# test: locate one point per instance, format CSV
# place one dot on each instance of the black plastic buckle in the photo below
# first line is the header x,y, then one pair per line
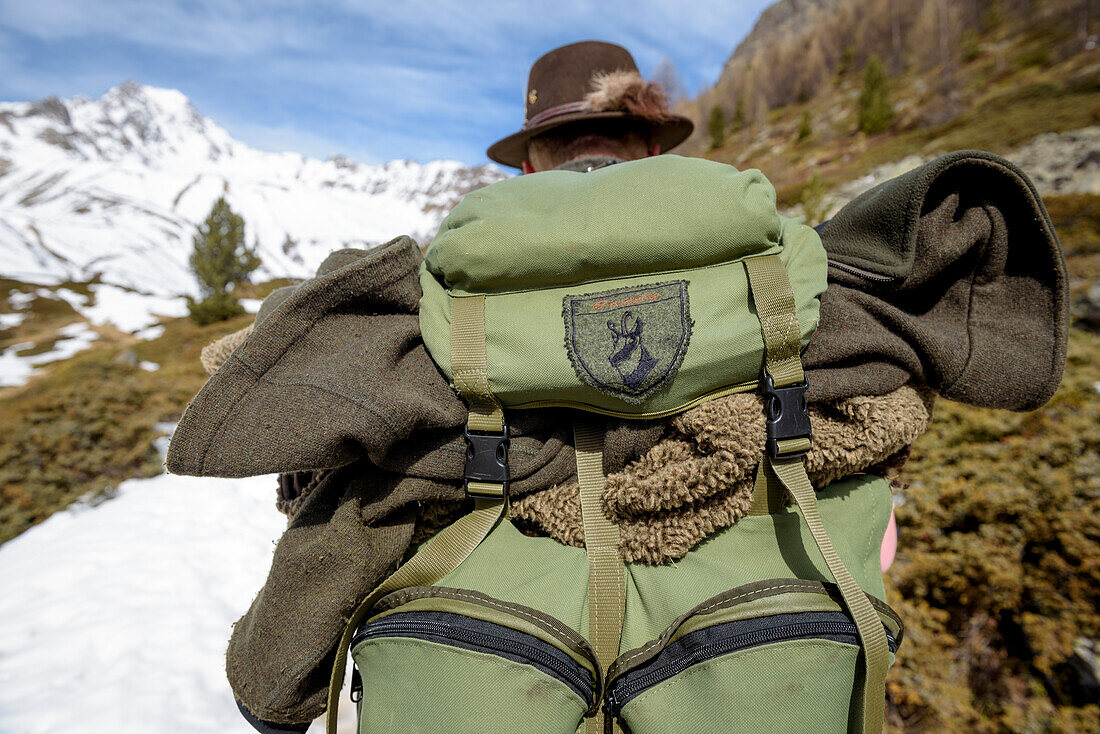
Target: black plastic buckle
x,y
487,457
786,415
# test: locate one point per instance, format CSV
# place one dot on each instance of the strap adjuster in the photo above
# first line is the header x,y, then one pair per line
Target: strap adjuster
x,y
786,416
486,459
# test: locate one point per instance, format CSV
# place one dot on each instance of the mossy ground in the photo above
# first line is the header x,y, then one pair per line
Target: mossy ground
x,y
998,573
87,423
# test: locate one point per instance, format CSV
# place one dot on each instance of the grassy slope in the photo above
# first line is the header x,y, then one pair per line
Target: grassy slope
x,y
85,424
88,423
1003,97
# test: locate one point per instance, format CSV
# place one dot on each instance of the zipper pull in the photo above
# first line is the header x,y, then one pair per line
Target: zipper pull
x,y
610,711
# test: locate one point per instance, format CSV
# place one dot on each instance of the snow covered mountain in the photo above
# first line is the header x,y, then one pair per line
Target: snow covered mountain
x,y
114,187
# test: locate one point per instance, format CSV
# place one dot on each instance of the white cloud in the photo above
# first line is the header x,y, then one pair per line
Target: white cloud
x,y
221,29
288,138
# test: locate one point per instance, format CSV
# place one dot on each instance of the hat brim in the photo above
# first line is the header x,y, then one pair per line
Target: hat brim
x,y
512,150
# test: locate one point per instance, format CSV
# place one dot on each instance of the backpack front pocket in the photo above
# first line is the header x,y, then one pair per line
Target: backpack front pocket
x,y
450,660
778,656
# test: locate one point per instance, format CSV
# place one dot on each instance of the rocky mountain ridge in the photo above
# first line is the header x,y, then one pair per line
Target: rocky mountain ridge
x,y
113,189
782,19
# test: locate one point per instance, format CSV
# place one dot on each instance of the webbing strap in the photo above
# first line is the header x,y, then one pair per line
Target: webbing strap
x,y
439,557
606,584
469,364
872,635
775,307
767,493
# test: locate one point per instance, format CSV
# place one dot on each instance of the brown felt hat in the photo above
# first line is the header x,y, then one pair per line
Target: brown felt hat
x,y
589,81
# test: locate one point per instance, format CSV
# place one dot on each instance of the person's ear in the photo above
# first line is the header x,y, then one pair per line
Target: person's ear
x,y
527,167
655,149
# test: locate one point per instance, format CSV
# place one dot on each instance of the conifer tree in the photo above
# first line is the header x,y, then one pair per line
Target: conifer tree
x,y
805,126
813,200
219,260
739,113
717,127
875,111
847,58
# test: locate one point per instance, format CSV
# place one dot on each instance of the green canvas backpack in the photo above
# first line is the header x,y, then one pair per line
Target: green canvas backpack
x,y
638,291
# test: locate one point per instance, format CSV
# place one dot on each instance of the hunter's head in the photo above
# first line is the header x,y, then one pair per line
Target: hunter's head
x,y
587,101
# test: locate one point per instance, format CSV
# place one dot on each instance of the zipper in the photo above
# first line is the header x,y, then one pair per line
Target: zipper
x,y
468,633
701,645
861,273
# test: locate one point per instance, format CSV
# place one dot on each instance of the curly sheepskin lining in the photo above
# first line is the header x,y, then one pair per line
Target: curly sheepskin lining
x,y
216,352
626,91
699,478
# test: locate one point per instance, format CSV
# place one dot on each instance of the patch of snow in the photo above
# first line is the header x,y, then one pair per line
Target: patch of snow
x,y
19,299
116,616
151,333
16,370
251,305
130,311
11,320
1096,386
148,366
160,443
75,338
78,301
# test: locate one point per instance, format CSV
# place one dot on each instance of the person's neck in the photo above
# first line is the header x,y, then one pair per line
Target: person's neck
x,y
588,163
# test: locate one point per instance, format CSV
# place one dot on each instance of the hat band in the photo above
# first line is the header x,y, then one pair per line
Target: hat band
x,y
552,112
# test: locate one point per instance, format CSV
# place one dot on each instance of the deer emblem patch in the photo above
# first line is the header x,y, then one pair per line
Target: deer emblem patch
x,y
628,342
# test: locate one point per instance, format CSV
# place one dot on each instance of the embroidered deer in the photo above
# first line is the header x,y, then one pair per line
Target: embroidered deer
x,y
629,356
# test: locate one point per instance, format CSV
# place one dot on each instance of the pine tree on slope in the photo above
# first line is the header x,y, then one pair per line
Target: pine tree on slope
x,y
220,259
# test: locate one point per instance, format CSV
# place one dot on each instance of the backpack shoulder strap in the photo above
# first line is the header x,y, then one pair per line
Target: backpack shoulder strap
x,y
441,555
788,441
486,484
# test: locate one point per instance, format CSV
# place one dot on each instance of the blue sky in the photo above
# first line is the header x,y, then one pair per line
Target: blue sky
x,y
372,80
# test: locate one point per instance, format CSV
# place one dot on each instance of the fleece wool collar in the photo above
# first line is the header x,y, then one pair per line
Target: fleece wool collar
x,y
699,478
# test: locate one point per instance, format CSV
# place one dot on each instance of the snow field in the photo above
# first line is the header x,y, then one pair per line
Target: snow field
x,y
129,177
116,615
127,310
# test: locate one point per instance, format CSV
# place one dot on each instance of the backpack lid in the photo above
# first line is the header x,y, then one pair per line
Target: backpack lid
x,y
564,227
622,291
